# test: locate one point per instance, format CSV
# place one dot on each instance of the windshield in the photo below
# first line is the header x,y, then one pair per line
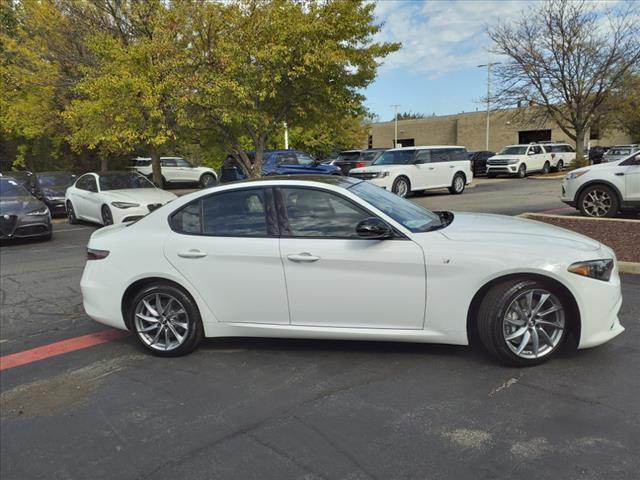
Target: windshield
x,y
513,151
120,181
55,179
395,157
11,188
410,215
369,156
348,156
619,151
304,159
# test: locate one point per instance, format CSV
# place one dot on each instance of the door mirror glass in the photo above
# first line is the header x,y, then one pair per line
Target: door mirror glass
x,y
374,228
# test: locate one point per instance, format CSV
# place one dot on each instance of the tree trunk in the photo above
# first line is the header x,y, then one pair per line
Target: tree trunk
x,y
104,163
257,165
156,170
580,132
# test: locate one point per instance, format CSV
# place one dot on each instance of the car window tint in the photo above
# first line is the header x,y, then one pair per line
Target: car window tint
x,y
88,182
423,156
168,162
304,159
317,213
188,219
457,155
439,156
287,159
240,213
181,162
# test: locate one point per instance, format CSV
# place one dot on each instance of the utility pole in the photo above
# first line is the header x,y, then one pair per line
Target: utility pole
x,y
488,65
286,136
395,116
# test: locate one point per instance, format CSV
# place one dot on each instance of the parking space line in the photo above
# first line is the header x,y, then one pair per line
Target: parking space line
x,y
58,348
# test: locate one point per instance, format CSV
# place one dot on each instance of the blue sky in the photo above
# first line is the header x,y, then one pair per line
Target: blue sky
x,y
443,42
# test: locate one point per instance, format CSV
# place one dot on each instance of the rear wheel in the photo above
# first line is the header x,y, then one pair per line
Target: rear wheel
x,y
71,213
207,180
401,187
523,322
457,185
559,166
522,171
546,168
107,216
598,201
166,320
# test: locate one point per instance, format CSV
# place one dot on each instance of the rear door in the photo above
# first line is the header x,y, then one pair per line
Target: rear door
x,y
632,179
443,169
170,170
337,279
185,171
226,246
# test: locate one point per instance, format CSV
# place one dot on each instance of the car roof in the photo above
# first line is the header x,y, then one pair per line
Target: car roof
x,y
424,147
337,180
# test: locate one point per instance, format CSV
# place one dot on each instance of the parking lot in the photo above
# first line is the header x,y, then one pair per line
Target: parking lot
x,y
255,408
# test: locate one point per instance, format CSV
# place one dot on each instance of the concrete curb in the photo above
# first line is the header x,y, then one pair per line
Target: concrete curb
x,y
630,268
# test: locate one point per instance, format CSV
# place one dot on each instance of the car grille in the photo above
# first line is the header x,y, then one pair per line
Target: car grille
x,y
8,224
363,175
498,162
153,206
31,230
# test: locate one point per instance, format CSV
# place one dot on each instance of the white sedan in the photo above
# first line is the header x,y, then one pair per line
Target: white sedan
x,y
339,258
113,197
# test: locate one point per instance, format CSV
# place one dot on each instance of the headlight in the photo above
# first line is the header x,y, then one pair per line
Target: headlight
x,y
573,175
598,269
39,212
124,204
380,174
512,162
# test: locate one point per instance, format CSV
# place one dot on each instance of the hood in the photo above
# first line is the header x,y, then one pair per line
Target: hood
x,y
599,166
519,232
19,205
140,195
506,157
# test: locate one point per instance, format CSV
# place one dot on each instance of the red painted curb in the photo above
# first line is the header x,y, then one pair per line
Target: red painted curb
x,y
58,348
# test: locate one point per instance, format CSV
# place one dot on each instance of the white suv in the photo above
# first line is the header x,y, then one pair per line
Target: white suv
x,y
411,169
604,189
519,160
177,170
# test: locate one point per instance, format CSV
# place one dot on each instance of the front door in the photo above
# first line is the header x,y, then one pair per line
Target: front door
x,y
632,179
336,279
226,246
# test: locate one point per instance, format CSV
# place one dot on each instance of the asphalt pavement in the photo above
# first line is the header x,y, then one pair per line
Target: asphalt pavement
x,y
256,408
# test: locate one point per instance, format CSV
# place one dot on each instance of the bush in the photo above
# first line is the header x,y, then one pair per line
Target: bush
x,y
580,161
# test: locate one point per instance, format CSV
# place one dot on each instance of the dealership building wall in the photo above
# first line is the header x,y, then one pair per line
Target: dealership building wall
x,y
469,129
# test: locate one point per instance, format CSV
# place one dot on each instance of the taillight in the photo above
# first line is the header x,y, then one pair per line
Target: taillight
x,y
360,164
93,254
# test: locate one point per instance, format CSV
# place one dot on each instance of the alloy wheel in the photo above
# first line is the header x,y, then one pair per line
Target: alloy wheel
x,y
401,188
534,324
597,203
107,218
458,184
161,321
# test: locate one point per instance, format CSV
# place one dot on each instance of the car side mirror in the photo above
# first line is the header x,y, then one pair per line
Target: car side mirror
x,y
373,228
530,152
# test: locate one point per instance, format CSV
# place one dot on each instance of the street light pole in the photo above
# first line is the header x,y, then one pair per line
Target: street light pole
x,y
395,116
488,65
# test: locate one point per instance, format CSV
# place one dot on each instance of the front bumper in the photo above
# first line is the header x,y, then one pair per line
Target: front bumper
x,y
56,206
133,213
24,226
508,169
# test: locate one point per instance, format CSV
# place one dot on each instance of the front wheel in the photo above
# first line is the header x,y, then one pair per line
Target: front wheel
x,y
71,213
207,180
457,185
522,171
559,166
523,322
546,168
401,187
107,216
598,201
166,321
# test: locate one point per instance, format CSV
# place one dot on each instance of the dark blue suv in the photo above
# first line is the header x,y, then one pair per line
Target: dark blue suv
x,y
278,162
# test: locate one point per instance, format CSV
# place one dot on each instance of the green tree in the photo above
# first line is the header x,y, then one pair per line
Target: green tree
x,y
343,133
254,64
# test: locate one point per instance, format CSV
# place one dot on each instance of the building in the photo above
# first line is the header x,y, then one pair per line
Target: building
x,y
507,127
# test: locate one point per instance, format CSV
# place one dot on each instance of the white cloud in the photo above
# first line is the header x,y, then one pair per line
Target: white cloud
x,y
441,36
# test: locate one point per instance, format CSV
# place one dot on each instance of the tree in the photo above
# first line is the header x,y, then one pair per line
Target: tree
x,y
409,116
129,98
254,64
565,62
626,107
337,134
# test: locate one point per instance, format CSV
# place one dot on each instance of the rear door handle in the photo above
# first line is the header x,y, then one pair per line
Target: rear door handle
x,y
303,257
193,253
430,168
620,174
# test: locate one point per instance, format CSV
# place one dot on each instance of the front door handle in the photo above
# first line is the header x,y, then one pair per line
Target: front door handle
x,y
303,257
430,168
452,166
620,174
193,253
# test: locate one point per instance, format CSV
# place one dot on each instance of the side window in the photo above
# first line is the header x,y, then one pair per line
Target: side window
x,y
287,159
317,213
458,155
168,162
239,213
536,149
423,156
181,162
188,219
569,148
88,183
439,156
304,159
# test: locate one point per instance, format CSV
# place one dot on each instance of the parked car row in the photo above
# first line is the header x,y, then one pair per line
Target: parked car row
x,y
177,170
520,160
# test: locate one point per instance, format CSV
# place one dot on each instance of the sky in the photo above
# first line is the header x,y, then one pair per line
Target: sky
x,y
443,42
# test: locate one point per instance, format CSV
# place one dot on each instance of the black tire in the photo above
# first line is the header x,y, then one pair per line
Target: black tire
x,y
559,166
457,184
401,186
546,168
598,201
522,171
195,332
491,320
107,216
71,213
207,180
